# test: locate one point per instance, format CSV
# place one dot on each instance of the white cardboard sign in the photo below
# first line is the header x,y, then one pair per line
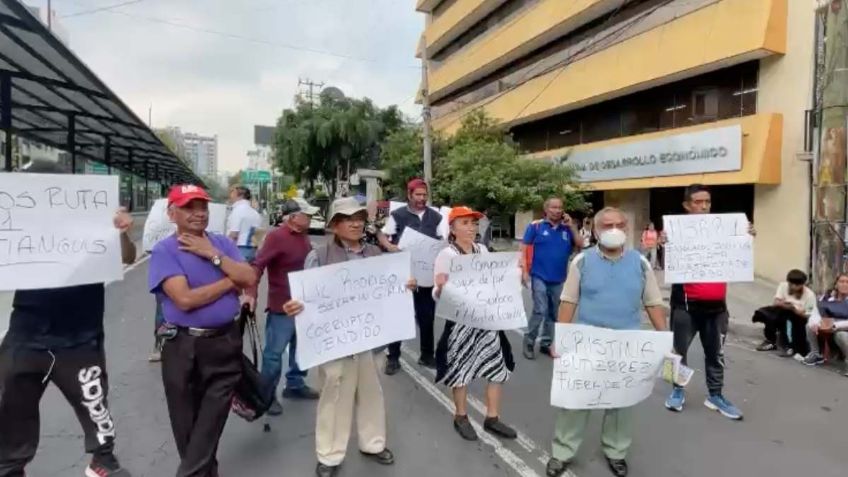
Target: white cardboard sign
x,y
424,251
484,291
708,248
352,307
158,225
600,368
56,230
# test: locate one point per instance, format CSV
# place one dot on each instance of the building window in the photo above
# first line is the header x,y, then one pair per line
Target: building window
x,y
715,96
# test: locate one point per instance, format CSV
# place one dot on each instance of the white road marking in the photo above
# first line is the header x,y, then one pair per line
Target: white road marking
x,y
509,457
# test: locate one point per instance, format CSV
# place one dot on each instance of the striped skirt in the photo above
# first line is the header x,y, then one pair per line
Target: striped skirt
x,y
472,353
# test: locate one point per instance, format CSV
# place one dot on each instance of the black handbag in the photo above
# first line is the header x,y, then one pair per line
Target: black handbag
x,y
251,399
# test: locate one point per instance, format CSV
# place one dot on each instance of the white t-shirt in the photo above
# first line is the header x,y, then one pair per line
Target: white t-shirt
x,y
244,220
807,302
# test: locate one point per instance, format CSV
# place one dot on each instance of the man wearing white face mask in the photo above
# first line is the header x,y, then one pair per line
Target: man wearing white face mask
x,y
612,285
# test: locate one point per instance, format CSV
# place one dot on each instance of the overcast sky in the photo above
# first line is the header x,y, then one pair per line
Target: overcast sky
x,y
221,66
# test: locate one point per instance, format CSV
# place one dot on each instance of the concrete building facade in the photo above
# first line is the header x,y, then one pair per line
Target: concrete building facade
x,y
645,97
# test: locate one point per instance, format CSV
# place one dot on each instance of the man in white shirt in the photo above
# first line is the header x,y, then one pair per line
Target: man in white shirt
x,y
793,303
244,222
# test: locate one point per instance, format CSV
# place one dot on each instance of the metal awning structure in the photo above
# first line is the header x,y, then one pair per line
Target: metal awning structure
x,y
48,95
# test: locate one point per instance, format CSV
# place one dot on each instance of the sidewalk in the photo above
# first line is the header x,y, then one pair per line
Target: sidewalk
x,y
743,299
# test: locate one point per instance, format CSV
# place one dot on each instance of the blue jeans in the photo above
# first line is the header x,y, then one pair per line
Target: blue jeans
x,y
546,297
279,333
248,253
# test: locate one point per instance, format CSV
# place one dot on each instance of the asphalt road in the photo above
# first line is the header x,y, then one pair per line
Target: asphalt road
x,y
795,419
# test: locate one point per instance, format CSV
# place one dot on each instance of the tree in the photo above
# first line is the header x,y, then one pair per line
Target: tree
x,y
324,142
216,190
234,179
480,166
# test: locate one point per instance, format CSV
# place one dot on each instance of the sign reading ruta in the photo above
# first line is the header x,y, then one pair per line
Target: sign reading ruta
x,y
352,307
708,248
56,230
600,368
484,291
424,251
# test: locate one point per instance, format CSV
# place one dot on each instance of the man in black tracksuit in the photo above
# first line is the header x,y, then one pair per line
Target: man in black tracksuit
x,y
56,335
421,218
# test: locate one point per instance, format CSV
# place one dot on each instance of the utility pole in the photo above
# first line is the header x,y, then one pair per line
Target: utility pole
x,y
49,15
425,100
311,86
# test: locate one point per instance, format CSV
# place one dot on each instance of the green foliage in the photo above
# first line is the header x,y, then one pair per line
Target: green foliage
x,y
315,143
218,192
480,166
234,179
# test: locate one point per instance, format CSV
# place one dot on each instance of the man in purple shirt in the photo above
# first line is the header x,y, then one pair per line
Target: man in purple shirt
x,y
198,277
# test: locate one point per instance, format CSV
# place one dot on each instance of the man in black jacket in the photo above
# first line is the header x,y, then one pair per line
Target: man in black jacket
x,y
421,218
56,335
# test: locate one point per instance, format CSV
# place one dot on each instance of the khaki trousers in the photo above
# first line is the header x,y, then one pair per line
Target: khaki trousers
x,y
616,436
350,383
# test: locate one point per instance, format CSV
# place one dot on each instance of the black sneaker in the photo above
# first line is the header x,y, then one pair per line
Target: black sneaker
x,y
529,350
322,470
384,457
392,366
464,428
105,465
555,468
427,362
495,426
276,409
305,393
618,467
545,350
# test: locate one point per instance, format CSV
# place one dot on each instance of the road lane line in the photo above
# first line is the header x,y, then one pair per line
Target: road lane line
x,y
524,441
509,457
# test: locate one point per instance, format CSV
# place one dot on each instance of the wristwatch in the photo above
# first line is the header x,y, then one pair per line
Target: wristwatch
x,y
216,260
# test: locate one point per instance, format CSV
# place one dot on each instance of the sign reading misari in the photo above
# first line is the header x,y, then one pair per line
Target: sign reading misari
x,y
352,307
56,230
711,150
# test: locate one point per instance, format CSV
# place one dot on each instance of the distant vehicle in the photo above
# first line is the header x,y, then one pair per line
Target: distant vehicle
x,y
317,225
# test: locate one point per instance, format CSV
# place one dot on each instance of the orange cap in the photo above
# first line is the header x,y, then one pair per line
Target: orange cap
x,y
463,211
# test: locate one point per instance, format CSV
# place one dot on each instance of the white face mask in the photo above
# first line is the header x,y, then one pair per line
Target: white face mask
x,y
612,238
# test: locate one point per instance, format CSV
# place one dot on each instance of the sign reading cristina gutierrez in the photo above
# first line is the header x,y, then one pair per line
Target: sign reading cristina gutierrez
x,y
712,150
599,368
352,307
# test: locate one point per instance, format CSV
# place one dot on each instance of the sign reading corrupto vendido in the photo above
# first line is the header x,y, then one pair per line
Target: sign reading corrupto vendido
x,y
711,150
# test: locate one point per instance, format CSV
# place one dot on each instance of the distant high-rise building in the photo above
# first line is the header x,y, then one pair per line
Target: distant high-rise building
x,y
201,152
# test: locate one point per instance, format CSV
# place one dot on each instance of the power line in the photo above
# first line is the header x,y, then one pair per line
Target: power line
x,y
234,36
101,9
560,64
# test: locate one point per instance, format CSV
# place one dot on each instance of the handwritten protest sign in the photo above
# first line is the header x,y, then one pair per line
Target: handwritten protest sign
x,y
56,230
599,368
484,291
708,248
158,225
352,307
423,250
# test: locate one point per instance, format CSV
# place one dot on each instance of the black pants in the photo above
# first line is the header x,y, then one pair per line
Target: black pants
x,y
425,315
200,374
685,325
776,319
79,373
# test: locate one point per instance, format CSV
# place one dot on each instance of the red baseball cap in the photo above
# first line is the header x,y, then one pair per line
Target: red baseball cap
x,y
463,211
416,184
182,194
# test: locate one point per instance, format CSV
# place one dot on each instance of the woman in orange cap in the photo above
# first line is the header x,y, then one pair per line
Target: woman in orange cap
x,y
465,353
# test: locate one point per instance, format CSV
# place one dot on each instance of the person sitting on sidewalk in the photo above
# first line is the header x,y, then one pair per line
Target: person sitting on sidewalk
x,y
833,309
793,303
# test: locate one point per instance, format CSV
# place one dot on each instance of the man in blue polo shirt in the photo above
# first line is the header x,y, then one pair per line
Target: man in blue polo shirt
x,y
545,251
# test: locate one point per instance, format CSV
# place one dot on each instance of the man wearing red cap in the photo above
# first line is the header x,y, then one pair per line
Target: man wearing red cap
x,y
417,216
198,277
